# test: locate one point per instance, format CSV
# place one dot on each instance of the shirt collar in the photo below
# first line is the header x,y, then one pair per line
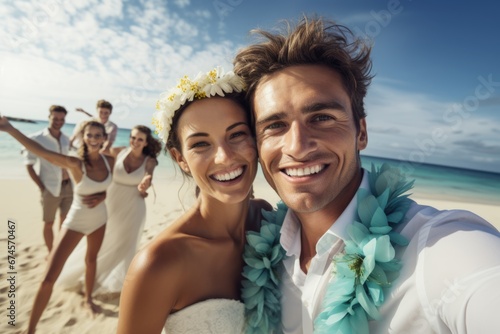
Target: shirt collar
x,y
46,133
290,231
290,234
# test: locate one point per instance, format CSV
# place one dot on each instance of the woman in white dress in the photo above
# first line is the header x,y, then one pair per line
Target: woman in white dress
x,y
132,176
91,173
187,280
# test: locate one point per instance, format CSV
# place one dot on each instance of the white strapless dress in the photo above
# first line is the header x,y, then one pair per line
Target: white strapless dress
x,y
212,316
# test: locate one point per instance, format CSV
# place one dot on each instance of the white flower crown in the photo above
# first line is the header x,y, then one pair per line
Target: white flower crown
x,y
204,85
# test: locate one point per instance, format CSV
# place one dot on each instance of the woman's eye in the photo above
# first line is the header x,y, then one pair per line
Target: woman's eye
x,y
238,134
199,144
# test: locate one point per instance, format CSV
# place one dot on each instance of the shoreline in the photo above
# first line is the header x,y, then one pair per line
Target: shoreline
x,y
165,175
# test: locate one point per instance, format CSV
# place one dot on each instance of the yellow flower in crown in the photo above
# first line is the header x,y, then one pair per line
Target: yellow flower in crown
x,y
204,85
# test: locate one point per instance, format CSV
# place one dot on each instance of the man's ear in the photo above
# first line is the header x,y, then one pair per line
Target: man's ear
x,y
362,139
180,160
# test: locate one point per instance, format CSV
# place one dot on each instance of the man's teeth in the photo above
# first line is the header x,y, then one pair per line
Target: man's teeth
x,y
303,171
229,176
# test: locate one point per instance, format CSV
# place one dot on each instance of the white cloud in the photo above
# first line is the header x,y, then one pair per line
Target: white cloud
x,y
139,31
412,126
74,7
110,9
182,3
185,29
206,14
356,19
126,53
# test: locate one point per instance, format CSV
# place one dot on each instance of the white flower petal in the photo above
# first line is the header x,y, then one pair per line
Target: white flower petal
x,y
212,83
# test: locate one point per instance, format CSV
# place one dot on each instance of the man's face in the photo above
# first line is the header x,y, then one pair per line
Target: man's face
x,y
56,120
103,114
307,138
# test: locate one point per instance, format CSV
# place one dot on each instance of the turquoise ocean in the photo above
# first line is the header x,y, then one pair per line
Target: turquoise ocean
x,y
440,182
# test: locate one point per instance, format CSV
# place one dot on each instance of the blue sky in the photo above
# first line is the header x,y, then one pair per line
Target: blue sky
x,y
435,97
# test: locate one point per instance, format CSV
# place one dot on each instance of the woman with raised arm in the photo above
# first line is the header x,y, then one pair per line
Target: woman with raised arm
x,y
91,173
188,279
132,176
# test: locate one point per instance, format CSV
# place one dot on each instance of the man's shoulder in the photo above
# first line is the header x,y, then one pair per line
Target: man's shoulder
x,y
431,213
427,219
65,136
111,125
39,134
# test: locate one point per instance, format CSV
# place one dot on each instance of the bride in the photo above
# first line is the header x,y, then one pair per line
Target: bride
x,y
188,279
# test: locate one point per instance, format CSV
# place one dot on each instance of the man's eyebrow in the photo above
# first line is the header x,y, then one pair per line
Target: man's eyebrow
x,y
324,105
273,117
314,107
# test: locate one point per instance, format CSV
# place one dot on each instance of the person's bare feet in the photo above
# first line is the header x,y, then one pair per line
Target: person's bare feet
x,y
93,308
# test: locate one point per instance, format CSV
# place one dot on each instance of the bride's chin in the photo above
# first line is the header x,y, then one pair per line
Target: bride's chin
x,y
93,148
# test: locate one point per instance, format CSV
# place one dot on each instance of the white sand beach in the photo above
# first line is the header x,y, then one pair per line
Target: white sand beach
x,y
19,202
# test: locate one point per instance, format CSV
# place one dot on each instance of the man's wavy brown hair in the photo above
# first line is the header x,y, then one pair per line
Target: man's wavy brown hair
x,y
312,41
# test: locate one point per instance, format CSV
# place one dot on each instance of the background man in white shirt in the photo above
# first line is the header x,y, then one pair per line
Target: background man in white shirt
x,y
53,182
103,111
306,86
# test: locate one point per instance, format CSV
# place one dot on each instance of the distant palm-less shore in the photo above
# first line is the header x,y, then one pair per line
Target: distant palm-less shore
x,y
24,120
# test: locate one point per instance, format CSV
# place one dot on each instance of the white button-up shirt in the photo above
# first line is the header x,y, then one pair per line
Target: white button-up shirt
x,y
50,174
301,293
448,283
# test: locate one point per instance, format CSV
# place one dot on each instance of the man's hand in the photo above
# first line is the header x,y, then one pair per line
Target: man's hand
x,y
83,112
93,200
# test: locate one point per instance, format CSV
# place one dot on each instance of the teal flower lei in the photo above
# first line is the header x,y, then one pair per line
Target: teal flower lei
x,y
260,288
361,272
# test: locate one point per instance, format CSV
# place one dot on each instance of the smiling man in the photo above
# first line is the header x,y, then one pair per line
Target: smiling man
x,y
53,181
360,256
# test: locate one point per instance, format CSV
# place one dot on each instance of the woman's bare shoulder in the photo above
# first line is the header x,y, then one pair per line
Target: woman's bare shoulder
x,y
165,250
175,248
111,160
151,162
156,279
